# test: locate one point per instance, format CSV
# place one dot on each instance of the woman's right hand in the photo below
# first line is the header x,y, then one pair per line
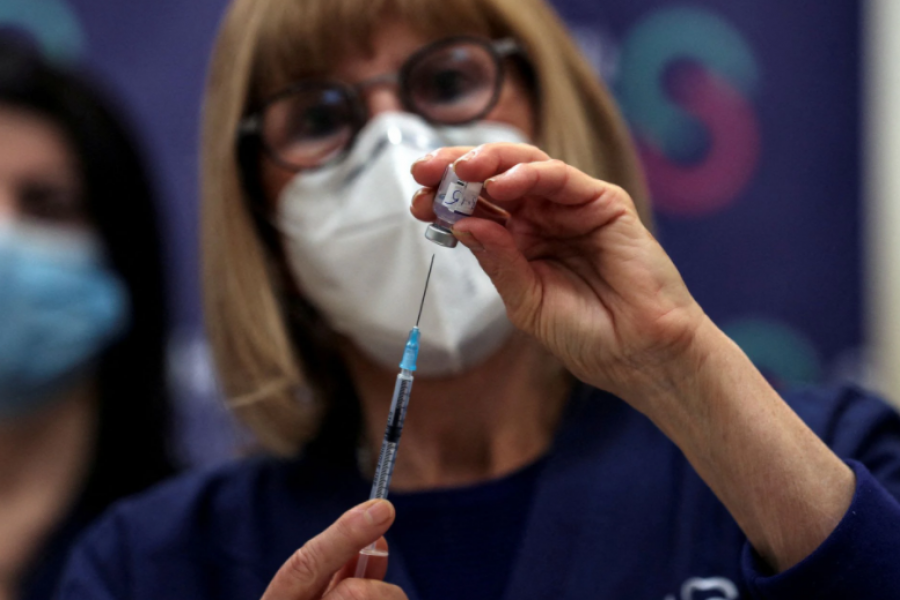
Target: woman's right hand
x,y
324,566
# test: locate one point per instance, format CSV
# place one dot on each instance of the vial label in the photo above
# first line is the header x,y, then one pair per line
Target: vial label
x,y
457,195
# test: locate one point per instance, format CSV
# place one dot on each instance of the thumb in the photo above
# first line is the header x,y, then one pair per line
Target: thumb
x,y
306,574
509,270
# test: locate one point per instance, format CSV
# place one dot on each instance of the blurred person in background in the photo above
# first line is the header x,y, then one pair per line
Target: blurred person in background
x,y
579,427
83,402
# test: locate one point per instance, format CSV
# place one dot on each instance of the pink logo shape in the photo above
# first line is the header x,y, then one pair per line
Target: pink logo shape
x,y
733,152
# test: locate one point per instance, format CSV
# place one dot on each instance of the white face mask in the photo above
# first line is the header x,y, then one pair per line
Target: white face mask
x,y
361,258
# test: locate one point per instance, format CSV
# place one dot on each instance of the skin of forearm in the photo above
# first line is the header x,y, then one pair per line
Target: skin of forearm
x,y
785,488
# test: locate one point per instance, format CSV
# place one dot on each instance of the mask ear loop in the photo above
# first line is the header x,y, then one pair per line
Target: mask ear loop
x,y
314,343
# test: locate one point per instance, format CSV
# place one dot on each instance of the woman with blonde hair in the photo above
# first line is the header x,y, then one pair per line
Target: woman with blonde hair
x,y
579,427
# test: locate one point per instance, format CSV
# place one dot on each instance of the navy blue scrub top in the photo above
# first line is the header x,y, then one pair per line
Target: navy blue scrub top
x,y
615,512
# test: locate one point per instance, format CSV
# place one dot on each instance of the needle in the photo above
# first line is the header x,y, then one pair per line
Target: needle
x,y
427,279
403,388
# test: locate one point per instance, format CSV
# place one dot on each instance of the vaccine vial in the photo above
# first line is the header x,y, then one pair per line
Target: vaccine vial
x,y
455,199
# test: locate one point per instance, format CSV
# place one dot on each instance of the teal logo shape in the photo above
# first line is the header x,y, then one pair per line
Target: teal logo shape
x,y
680,33
686,81
52,23
784,354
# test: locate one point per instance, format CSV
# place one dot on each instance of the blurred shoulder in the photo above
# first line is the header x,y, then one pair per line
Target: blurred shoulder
x,y
847,417
223,509
197,502
819,404
210,533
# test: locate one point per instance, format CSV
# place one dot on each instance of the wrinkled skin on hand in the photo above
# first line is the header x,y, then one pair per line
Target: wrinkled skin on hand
x,y
575,266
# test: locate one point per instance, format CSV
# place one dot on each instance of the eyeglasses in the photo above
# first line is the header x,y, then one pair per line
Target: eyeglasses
x,y
450,82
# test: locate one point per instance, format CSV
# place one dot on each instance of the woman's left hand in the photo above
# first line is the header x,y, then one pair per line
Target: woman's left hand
x,y
574,265
577,270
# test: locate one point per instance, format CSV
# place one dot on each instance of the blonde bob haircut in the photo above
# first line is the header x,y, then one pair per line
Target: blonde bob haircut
x,y
277,369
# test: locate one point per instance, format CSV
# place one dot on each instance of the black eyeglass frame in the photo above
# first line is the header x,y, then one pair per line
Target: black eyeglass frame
x,y
251,125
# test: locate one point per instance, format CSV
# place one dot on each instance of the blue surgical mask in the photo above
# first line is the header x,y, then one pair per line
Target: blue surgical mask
x,y
60,307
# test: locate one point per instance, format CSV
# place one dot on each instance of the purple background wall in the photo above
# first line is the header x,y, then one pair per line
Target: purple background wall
x,y
747,115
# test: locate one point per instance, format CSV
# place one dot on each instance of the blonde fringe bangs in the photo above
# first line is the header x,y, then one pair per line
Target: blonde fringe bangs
x,y
299,39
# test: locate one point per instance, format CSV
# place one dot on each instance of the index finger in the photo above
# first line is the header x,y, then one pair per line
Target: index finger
x,y
429,169
474,164
308,571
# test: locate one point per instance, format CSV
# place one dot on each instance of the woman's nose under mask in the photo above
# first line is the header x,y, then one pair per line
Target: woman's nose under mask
x,y
361,258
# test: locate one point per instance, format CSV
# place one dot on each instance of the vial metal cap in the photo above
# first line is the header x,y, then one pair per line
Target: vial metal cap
x,y
440,236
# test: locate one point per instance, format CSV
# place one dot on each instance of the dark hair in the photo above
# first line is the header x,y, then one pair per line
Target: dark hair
x,y
132,446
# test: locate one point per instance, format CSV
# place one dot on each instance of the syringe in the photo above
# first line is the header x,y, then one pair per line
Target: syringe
x,y
394,429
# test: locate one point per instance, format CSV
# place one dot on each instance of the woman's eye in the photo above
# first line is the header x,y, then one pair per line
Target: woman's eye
x,y
49,202
448,85
317,122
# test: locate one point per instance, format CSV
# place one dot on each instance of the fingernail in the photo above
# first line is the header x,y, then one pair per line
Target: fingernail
x,y
418,193
468,240
427,157
488,183
467,156
378,512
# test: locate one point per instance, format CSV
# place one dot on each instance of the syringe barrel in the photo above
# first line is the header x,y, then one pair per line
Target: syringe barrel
x,y
385,468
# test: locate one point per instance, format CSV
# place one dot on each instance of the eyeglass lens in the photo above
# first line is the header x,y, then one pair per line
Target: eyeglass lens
x,y
451,84
309,126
